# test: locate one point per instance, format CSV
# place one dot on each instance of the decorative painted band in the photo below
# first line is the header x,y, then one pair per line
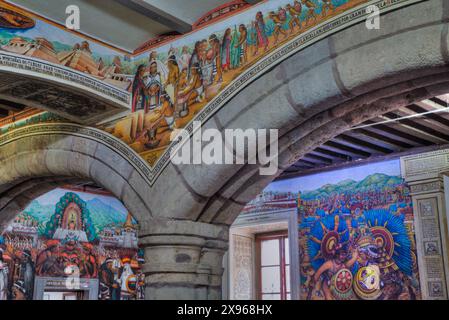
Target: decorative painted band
x,y
20,64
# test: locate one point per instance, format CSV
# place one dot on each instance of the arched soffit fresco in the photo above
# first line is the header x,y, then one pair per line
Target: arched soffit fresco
x,y
37,158
105,77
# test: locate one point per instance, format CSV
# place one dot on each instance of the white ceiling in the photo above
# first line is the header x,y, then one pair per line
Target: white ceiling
x,y
126,23
188,11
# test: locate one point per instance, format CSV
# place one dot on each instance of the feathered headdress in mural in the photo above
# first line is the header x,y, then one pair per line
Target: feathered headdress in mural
x,y
390,233
326,236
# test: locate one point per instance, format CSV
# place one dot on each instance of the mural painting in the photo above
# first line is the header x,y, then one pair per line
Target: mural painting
x,y
69,234
356,234
171,83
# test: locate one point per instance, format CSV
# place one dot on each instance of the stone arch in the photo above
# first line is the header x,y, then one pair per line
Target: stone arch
x,y
319,92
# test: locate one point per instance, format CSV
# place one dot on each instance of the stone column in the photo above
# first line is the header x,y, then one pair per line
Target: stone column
x,y
183,259
423,173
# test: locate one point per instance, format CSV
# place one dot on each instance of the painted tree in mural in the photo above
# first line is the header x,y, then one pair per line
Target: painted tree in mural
x,y
56,221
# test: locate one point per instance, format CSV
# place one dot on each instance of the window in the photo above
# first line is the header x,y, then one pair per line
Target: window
x,y
273,267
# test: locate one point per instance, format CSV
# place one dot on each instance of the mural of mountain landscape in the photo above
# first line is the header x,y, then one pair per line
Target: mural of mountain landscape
x,y
102,213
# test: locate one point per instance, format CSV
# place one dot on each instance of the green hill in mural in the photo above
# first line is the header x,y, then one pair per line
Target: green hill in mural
x,y
377,181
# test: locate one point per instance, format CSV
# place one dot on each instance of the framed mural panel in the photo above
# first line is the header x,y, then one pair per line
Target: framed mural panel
x,y
67,235
356,234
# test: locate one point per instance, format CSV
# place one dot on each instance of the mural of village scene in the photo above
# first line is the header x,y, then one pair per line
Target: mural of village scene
x,y
356,233
172,82
65,234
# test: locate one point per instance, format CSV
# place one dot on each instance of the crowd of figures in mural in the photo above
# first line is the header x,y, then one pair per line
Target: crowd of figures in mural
x,y
172,83
66,234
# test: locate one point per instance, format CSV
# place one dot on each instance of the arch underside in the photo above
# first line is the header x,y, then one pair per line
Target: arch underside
x,y
321,91
32,165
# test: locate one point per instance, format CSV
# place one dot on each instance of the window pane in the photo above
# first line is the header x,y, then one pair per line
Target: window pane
x,y
287,277
270,253
287,251
271,278
289,297
271,297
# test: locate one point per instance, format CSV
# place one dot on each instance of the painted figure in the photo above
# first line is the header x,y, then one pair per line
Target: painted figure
x,y
243,44
262,39
165,120
154,84
125,275
330,268
28,271
173,77
236,50
194,91
106,277
327,7
139,90
215,46
185,58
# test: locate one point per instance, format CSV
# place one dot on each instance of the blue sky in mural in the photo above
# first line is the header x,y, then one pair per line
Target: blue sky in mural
x,y
315,181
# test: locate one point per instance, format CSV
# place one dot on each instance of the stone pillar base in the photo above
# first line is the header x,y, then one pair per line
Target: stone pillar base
x,y
183,259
